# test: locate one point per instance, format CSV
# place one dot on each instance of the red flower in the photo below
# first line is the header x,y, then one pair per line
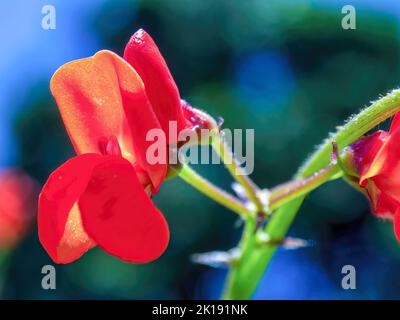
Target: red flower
x,y
102,196
17,205
377,159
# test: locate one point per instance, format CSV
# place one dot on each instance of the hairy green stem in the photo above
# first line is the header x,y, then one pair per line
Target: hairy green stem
x,y
212,191
278,196
288,191
245,275
237,172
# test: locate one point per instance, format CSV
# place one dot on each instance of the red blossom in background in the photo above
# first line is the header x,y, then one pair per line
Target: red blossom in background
x,y
377,159
18,193
102,196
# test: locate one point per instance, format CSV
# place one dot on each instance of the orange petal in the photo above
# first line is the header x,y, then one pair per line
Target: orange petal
x,y
93,95
88,93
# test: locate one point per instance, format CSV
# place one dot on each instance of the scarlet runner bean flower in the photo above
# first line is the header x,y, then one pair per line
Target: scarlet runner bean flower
x,y
102,196
376,161
18,192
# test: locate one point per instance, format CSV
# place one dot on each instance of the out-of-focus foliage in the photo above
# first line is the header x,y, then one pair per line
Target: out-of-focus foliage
x,y
285,68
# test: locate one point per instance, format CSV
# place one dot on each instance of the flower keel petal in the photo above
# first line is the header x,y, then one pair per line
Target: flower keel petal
x,y
143,55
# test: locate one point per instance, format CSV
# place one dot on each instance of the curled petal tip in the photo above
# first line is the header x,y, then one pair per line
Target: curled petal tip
x,y
140,36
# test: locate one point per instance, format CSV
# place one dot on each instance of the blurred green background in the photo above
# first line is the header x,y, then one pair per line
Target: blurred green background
x,y
285,68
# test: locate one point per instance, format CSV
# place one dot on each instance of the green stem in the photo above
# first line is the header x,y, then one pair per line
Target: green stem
x,y
212,191
245,275
288,191
237,172
278,196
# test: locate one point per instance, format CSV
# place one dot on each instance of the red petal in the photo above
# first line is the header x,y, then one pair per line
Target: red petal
x,y
369,156
143,55
119,215
59,223
396,223
387,179
93,95
395,122
383,205
142,120
18,197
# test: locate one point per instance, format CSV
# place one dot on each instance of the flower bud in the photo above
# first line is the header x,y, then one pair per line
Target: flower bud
x,y
373,162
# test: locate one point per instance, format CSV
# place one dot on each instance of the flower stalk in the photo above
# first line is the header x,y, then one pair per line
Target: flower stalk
x,y
225,153
286,192
245,275
207,188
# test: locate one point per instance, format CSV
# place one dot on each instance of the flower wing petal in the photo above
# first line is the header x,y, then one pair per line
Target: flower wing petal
x,y
119,215
59,220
